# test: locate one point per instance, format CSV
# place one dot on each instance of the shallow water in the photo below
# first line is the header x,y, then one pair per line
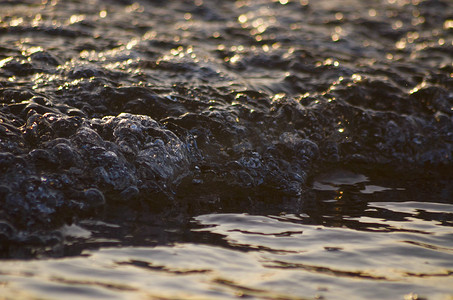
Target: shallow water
x,y
390,250
222,149
278,259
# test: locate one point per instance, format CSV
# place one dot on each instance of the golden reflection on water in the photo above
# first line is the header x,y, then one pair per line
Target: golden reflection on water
x,y
295,259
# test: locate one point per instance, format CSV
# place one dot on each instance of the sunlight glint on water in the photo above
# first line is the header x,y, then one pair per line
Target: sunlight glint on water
x,y
262,256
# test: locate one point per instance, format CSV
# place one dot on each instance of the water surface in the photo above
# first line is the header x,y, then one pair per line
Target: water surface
x,y
391,250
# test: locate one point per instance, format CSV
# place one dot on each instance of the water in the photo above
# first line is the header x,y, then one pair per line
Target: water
x,y
223,149
389,250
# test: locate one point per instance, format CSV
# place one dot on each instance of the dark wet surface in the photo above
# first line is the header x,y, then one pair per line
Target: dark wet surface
x,y
194,124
